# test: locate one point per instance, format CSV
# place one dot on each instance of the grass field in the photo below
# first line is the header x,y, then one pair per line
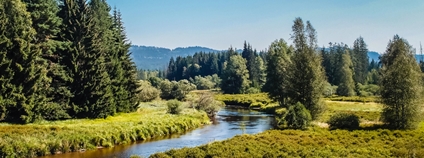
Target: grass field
x,y
46,138
319,141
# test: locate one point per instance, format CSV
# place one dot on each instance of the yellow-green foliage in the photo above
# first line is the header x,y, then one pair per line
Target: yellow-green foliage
x,y
47,138
245,100
312,143
355,99
365,111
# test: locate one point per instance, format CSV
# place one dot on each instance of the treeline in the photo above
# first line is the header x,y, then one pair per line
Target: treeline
x,y
63,59
297,76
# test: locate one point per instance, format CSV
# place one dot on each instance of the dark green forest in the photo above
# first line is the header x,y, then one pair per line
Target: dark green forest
x,y
63,59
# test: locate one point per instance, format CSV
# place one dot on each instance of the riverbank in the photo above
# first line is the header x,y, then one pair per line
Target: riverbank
x,y
315,142
318,141
45,138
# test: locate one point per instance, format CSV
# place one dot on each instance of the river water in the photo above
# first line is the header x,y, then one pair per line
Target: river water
x,y
228,123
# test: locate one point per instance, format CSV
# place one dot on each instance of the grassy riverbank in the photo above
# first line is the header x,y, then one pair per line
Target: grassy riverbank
x,y
315,142
46,138
318,141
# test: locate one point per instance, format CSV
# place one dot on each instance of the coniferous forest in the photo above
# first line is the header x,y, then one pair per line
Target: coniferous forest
x,y
63,59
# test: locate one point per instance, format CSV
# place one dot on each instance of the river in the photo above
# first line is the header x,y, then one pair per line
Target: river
x,y
229,123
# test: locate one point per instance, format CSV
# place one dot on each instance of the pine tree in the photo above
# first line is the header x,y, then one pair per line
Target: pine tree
x,y
21,70
128,79
308,78
400,85
85,60
249,55
360,60
277,71
346,85
235,78
47,26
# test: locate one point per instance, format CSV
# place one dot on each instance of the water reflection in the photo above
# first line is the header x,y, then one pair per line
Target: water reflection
x,y
227,124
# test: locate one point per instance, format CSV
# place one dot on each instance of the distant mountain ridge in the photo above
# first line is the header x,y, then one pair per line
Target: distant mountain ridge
x,y
150,57
154,58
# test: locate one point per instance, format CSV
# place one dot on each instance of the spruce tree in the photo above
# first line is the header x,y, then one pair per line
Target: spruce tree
x,y
346,85
47,26
308,78
128,76
21,71
277,72
400,85
85,60
360,60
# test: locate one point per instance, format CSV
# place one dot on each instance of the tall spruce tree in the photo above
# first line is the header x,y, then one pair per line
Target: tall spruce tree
x,y
277,71
346,86
127,77
400,85
308,78
21,69
250,56
47,26
85,60
360,60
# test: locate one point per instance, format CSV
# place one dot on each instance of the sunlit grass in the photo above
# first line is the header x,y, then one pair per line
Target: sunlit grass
x,y
44,138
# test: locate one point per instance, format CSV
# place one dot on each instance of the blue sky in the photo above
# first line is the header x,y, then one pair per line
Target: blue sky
x,y
219,24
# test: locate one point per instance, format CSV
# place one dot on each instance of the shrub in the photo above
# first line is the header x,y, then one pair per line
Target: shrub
x,y
175,90
344,121
147,92
207,103
298,117
174,107
253,90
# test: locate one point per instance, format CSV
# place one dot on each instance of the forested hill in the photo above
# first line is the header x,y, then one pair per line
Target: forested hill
x,y
153,58
150,57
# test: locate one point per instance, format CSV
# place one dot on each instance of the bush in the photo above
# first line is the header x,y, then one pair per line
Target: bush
x,y
253,90
175,90
207,103
147,92
344,121
298,117
174,107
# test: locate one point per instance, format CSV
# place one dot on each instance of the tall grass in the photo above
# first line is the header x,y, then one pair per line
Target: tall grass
x,y
46,138
315,142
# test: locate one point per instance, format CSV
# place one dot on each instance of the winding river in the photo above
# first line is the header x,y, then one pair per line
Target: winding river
x,y
229,123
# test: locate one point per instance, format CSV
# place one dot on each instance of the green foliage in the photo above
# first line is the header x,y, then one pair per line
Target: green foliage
x,y
206,102
312,143
344,121
175,90
297,117
147,92
47,138
329,90
368,90
360,60
278,64
235,76
346,84
245,100
174,107
22,70
306,84
207,82
400,85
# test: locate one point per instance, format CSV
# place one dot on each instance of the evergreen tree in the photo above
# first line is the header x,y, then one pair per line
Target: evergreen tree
x,y
86,62
260,69
346,86
308,78
235,78
21,70
360,60
250,56
47,26
127,79
277,71
400,85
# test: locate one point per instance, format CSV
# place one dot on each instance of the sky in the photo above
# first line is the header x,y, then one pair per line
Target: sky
x,y
221,24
